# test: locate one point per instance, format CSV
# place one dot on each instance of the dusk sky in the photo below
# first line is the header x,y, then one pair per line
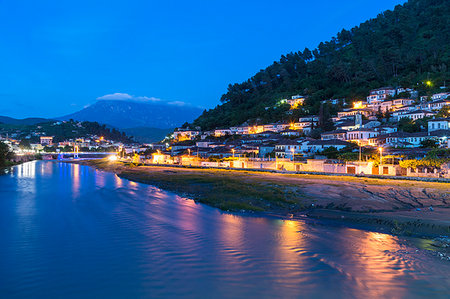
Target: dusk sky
x,y
59,56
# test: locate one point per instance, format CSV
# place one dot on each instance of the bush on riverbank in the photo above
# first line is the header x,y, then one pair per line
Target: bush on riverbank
x,y
6,155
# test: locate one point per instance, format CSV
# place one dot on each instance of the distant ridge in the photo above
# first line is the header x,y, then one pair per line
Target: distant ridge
x,y
26,121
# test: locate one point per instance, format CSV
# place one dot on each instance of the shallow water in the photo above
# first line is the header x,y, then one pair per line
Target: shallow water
x,y
72,231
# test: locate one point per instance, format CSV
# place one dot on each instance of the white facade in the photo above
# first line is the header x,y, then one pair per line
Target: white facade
x,y
416,114
438,124
380,94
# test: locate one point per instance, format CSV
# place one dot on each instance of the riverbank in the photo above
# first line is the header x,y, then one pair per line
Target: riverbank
x,y
384,203
19,160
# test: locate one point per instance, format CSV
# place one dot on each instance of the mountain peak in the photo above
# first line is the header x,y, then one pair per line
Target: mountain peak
x,y
131,113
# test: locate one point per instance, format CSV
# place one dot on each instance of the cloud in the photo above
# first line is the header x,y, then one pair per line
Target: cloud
x,y
146,99
177,103
116,96
119,96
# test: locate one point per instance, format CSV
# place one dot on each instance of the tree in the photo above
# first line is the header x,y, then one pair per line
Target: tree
x,y
429,143
24,144
444,112
5,154
404,47
379,114
330,152
408,125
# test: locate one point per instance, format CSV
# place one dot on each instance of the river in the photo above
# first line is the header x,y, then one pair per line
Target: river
x,y
71,231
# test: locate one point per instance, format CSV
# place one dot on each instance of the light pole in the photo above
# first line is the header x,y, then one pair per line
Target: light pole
x,y
359,143
380,149
189,152
292,150
232,150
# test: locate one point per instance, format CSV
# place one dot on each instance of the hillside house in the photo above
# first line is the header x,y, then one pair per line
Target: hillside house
x,y
418,114
438,124
380,94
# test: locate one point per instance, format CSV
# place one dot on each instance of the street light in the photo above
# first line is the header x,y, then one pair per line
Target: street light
x,y
292,150
189,151
380,149
232,150
359,143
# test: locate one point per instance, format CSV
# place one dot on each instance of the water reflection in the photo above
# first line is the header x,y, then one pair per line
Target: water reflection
x,y
76,180
378,267
124,239
117,181
26,170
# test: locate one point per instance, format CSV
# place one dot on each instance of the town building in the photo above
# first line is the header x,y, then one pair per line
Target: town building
x,y
46,140
438,124
185,134
336,134
418,114
380,94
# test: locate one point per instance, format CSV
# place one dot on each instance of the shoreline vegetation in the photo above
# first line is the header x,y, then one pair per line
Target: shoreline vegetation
x,y
393,206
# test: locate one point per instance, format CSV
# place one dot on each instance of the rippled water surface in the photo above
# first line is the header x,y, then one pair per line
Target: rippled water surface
x,y
72,231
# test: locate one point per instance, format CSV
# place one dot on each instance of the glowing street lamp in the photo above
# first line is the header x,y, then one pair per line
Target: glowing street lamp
x,y
189,151
232,150
428,83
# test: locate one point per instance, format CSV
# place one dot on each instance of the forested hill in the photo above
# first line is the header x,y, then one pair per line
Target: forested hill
x,y
398,48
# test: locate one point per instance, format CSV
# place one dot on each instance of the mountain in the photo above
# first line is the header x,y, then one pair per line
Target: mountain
x,y
404,47
147,135
145,119
26,121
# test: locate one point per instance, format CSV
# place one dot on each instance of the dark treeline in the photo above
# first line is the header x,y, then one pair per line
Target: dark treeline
x,y
398,48
5,154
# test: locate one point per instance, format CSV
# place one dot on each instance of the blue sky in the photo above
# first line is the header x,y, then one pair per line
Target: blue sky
x,y
59,56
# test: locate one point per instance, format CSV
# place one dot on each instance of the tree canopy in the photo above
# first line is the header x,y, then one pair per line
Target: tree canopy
x,y
406,47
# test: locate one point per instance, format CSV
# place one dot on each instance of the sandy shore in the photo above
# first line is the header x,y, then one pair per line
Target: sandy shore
x,y
391,204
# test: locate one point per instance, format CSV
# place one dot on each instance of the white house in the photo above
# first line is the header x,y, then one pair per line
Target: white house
x,y
380,94
402,139
332,135
185,134
438,105
440,96
414,115
362,135
222,132
288,148
438,124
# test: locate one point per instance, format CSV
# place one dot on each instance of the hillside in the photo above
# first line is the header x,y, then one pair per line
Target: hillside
x,y
61,131
402,47
131,114
26,121
147,135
